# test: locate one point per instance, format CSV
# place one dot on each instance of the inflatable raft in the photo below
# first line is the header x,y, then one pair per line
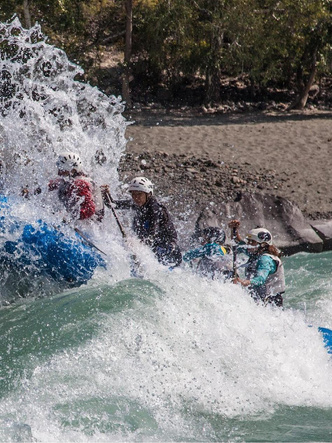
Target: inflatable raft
x,y
39,249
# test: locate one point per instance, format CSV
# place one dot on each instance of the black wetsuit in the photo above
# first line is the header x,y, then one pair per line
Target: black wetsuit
x,y
153,226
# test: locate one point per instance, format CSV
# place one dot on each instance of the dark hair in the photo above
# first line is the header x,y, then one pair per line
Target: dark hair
x,y
270,249
214,234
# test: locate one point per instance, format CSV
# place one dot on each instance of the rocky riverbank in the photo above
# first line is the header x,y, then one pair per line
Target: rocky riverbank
x,y
199,162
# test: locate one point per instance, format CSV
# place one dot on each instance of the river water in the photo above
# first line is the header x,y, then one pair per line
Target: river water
x,y
167,356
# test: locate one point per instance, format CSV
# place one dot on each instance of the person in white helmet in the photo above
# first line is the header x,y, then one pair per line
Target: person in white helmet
x,y
264,271
152,222
75,190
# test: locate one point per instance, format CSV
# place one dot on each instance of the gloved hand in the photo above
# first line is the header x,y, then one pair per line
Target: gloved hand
x,y
54,184
162,251
106,194
25,192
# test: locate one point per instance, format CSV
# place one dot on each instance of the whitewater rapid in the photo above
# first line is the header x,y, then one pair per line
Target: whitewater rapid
x,y
168,356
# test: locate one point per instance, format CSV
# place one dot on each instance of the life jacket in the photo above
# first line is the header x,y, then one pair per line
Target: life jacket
x,y
76,194
275,283
98,200
214,267
153,225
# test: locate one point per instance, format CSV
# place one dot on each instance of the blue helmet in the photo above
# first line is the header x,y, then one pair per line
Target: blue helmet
x,y
214,234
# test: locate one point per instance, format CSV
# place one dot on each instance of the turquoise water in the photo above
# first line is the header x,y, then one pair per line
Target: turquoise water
x,y
169,358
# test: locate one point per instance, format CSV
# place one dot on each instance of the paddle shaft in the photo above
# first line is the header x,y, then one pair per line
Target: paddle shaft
x,y
123,232
124,235
83,236
89,242
234,248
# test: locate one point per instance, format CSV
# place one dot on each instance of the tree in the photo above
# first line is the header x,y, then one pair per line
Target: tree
x,y
290,43
27,15
127,53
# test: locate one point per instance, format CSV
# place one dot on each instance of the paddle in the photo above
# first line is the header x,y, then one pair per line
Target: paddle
x,y
87,241
83,236
110,201
234,249
327,337
134,258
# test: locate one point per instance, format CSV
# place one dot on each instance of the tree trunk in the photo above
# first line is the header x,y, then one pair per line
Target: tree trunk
x,y
212,87
301,100
213,70
127,54
27,16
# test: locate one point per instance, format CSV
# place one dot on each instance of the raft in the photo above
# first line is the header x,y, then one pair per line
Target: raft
x,y
40,249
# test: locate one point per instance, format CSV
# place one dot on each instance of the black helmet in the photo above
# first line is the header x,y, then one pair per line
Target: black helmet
x,y
214,234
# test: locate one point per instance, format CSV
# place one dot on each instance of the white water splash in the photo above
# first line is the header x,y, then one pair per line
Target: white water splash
x,y
45,111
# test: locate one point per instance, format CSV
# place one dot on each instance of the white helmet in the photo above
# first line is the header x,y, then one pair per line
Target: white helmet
x,y
260,235
67,161
141,184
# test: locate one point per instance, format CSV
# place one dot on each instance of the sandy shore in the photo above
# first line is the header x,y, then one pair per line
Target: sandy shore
x,y
296,146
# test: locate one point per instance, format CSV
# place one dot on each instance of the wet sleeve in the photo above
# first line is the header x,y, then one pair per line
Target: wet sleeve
x,y
265,266
124,204
193,253
84,195
169,225
54,184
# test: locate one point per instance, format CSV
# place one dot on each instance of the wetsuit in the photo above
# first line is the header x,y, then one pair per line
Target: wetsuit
x,y
266,275
153,225
78,196
212,263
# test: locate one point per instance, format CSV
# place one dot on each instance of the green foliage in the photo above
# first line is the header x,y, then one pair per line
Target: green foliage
x,y
268,41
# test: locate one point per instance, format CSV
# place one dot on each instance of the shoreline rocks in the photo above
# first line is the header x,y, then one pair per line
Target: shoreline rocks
x,y
199,191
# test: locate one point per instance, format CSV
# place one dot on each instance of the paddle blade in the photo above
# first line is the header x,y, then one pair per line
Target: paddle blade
x,y
327,337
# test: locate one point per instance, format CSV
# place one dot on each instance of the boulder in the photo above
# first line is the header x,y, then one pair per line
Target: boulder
x,y
323,229
291,231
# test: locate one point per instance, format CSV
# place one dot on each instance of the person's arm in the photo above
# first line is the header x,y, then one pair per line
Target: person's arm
x,y
108,199
234,226
54,184
265,266
193,253
162,233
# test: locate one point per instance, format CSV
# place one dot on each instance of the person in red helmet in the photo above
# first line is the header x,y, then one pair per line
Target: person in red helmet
x,y
75,190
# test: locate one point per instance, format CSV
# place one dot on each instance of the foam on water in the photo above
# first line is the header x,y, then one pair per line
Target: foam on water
x,y
45,111
170,358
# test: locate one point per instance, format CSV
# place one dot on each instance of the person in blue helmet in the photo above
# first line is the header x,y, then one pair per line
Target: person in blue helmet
x,y
264,271
212,255
152,222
